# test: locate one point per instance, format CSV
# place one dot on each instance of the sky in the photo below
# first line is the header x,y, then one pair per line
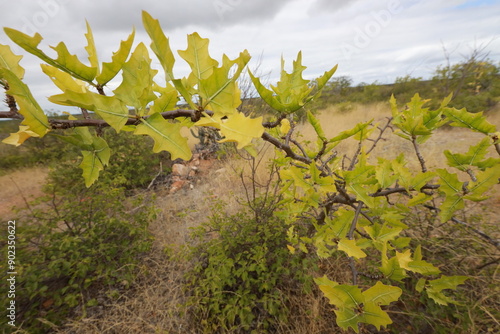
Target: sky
x,y
376,40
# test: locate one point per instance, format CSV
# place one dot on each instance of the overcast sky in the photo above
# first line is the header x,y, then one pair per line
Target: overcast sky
x,y
376,40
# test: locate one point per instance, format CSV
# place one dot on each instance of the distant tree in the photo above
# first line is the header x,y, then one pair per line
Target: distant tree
x,y
474,82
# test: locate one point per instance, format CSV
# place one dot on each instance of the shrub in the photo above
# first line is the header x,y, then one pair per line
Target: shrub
x,y
79,241
240,268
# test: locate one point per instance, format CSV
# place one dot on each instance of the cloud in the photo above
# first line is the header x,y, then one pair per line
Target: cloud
x,y
115,15
321,6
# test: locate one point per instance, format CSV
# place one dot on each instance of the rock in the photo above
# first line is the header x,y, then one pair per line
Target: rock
x,y
180,170
177,185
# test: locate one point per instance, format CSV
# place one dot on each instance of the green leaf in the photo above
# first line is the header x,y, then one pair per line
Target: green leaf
x,y
65,61
167,136
167,100
291,92
136,88
447,282
236,128
297,175
476,122
373,314
358,182
435,288
34,117
348,318
485,181
343,296
349,133
10,61
473,157
342,223
220,92
390,267
382,233
160,44
95,160
452,187
197,56
111,69
423,267
325,281
316,125
111,109
351,249
383,173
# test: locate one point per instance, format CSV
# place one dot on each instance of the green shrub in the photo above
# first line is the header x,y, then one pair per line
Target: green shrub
x,y
81,241
238,276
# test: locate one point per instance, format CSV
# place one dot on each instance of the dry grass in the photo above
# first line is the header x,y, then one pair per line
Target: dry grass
x,y
20,187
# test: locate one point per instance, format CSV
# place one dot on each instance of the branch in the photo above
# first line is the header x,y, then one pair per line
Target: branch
x,y
195,115
419,156
350,236
486,237
286,148
496,143
382,130
270,125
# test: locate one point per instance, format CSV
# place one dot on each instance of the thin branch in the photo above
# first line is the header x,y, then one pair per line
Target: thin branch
x,y
419,156
350,236
286,148
382,130
485,236
270,125
496,143
85,113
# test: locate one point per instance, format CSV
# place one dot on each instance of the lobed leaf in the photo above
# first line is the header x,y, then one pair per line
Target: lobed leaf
x,y
167,136
110,69
462,118
34,117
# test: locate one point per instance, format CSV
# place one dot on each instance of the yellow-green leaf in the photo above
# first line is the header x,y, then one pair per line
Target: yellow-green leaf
x,y
20,136
10,61
91,50
241,129
167,136
34,117
136,89
197,56
350,247
111,69
63,80
65,61
463,118
381,294
160,44
167,100
111,109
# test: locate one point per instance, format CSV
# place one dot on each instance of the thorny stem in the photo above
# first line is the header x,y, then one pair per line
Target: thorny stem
x,y
382,130
172,114
350,236
485,236
496,143
419,156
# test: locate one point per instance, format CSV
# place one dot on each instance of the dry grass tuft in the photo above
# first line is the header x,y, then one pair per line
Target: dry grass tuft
x,y
20,187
